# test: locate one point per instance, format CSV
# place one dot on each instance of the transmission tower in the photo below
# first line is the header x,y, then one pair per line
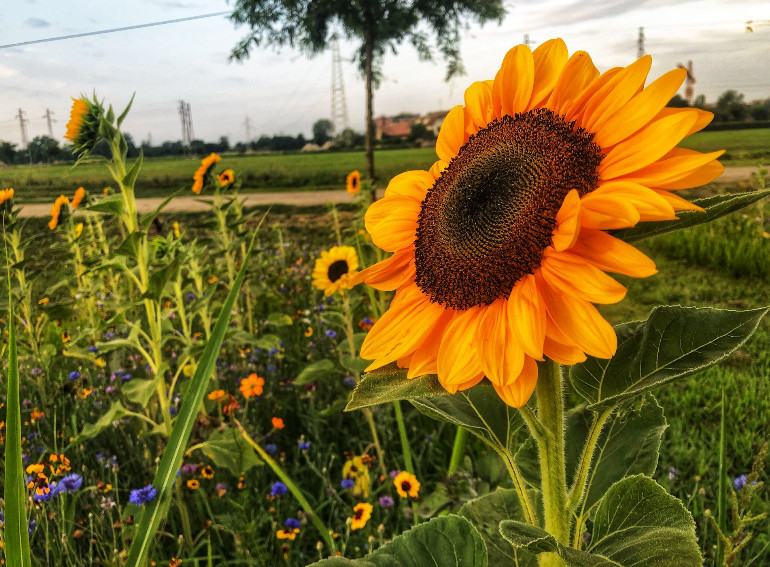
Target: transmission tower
x,y
528,41
49,120
640,44
23,123
339,114
187,129
247,124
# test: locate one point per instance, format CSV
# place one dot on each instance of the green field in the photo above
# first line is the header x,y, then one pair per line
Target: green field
x,y
304,172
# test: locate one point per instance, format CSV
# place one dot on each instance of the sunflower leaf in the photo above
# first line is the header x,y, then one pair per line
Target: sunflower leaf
x,y
674,342
390,384
715,206
227,449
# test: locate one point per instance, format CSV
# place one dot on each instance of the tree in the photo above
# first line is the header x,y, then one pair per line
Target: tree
x,y
678,101
419,131
379,26
7,152
43,149
730,107
322,131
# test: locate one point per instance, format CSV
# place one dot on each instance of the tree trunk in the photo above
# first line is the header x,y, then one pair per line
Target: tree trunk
x,y
369,107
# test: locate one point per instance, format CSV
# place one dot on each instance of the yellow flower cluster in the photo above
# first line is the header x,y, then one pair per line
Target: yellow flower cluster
x,y
56,210
200,174
6,195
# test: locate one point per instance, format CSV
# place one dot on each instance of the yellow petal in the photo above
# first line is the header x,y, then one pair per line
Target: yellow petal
x,y
704,117
518,393
458,362
649,205
677,202
549,58
676,165
526,311
413,184
612,254
572,275
577,74
561,353
513,83
607,211
478,103
501,354
392,222
389,274
451,137
574,109
424,358
567,222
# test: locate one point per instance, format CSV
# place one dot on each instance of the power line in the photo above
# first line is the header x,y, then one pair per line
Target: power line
x,y
113,30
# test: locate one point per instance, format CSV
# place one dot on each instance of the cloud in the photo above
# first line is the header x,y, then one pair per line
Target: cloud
x,y
36,23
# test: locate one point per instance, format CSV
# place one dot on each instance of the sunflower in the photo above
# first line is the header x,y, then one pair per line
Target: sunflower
x,y
56,211
226,177
80,193
407,485
83,125
361,514
6,195
335,267
500,249
353,182
199,177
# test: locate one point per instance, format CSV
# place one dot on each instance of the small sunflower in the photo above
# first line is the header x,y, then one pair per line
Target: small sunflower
x,y
361,514
333,270
193,484
199,177
56,211
287,534
353,182
6,195
207,472
226,177
83,125
500,249
407,485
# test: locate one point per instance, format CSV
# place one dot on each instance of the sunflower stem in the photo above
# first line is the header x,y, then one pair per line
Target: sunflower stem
x,y
458,450
405,447
550,412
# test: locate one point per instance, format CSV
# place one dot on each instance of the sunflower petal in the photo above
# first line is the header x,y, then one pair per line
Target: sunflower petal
x,y
640,110
567,222
561,353
392,222
458,362
501,354
514,81
607,212
478,103
451,137
647,145
570,274
577,74
389,274
677,202
425,357
575,108
703,117
612,254
527,312
549,58
518,393
647,203
413,184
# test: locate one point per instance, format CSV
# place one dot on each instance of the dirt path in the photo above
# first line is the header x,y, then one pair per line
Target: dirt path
x,y
191,203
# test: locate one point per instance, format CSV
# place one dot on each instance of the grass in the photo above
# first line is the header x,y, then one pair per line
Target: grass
x,y
744,147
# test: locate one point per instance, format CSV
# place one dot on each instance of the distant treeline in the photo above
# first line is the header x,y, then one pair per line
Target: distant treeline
x,y
731,111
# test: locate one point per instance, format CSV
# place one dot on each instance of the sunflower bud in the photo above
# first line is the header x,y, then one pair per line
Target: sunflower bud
x,y
83,126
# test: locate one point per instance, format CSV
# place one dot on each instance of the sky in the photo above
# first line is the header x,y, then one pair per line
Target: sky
x,y
285,92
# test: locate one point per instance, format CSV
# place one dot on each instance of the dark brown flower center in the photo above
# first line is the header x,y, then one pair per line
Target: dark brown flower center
x,y
358,514
486,221
337,270
406,486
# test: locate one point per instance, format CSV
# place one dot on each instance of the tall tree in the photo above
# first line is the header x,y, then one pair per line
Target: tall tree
x,y
379,26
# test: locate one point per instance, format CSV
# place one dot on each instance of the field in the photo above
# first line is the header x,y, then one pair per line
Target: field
x,y
305,172
124,332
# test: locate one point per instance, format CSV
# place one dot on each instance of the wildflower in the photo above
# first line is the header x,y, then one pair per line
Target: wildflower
x,y
83,125
347,483
177,232
292,523
277,423
83,393
221,489
74,375
366,323
741,481
43,301
334,269
251,386
217,395
6,195
331,334
287,534
35,415
355,470
361,514
65,337
500,249
70,483
200,174
309,332
56,211
78,230
35,468
193,484
278,489
271,448
207,472
189,468
304,445
353,182
407,485
386,501
226,177
141,496
80,193
175,562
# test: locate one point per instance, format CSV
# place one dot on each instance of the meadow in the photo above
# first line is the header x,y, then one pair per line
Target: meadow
x,y
116,327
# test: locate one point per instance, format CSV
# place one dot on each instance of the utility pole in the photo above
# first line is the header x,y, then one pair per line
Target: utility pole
x,y
640,44
23,123
187,130
339,110
528,41
48,118
247,123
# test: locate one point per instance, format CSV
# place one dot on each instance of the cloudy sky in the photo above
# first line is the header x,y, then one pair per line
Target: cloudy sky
x,y
284,92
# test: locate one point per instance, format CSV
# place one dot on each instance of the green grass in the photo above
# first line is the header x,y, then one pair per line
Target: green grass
x,y
744,147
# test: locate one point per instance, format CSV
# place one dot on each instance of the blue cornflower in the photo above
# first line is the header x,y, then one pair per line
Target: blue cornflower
x,y
739,482
347,483
141,496
93,349
271,448
292,523
42,496
331,334
278,489
74,375
304,445
31,525
271,368
70,483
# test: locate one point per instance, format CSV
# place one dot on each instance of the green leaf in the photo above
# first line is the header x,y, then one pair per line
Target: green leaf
x,y
125,112
448,541
279,319
486,513
314,371
160,278
17,551
674,342
91,430
716,206
354,364
112,204
155,511
267,342
637,524
480,410
130,245
334,408
390,384
228,449
130,177
139,391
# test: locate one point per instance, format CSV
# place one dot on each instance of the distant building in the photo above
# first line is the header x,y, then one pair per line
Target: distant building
x,y
400,124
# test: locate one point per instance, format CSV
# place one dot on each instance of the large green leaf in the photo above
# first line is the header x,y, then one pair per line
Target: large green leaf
x,y
112,204
130,244
228,449
390,384
314,371
716,206
139,391
449,541
91,430
674,342
637,524
486,513
480,410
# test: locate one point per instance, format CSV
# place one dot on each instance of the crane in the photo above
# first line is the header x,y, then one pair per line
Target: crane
x,y
689,81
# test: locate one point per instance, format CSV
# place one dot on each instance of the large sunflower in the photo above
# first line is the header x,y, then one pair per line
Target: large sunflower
x,y
500,249
335,267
